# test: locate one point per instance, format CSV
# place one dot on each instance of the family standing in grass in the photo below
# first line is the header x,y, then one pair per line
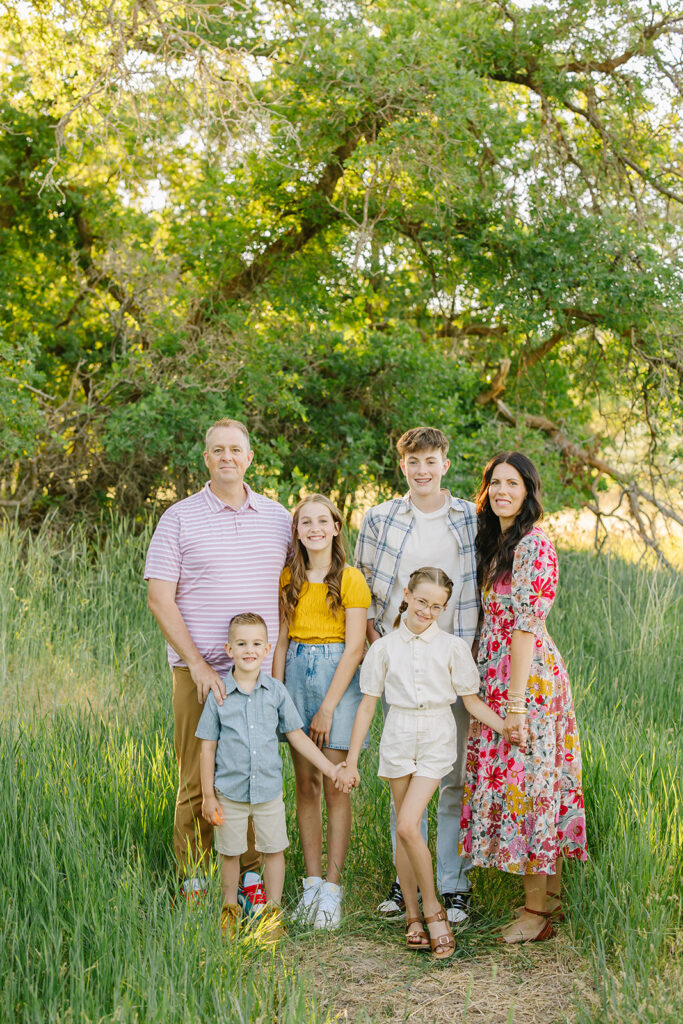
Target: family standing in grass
x,y
229,571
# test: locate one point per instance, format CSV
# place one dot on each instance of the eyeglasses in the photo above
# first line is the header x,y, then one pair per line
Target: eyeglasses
x,y
423,605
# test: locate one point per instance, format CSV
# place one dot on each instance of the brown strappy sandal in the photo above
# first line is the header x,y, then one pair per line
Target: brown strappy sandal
x,y
546,931
418,940
556,914
442,946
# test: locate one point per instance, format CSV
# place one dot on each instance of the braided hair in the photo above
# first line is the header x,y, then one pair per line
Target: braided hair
x,y
428,574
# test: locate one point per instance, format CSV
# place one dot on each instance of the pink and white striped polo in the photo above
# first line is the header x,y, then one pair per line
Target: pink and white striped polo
x,y
225,561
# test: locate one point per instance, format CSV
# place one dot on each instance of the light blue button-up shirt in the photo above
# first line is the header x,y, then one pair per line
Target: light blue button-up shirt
x,y
248,762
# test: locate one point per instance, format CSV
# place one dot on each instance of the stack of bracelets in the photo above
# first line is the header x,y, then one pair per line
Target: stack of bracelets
x,y
516,705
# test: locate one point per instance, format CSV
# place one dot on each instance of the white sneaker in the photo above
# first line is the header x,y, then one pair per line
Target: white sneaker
x,y
306,909
193,888
328,914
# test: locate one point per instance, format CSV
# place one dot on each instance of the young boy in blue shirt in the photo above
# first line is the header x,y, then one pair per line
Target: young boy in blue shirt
x,y
241,768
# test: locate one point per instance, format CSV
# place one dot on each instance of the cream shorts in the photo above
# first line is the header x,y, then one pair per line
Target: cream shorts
x,y
270,826
416,742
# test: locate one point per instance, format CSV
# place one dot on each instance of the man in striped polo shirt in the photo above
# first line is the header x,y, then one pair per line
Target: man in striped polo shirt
x,y
213,555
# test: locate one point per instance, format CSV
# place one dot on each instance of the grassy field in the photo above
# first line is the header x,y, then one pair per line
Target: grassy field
x,y
90,929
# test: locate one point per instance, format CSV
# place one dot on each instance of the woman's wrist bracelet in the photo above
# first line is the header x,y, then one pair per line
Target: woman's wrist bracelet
x,y
515,707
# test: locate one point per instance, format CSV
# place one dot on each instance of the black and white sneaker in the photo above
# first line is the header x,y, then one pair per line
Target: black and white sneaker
x,y
457,906
394,906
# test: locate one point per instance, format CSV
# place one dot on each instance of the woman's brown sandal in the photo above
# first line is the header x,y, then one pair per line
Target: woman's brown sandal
x,y
546,930
442,946
556,914
417,940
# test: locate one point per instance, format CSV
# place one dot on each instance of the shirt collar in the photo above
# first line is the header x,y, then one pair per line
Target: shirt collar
x,y
231,683
216,505
406,504
408,636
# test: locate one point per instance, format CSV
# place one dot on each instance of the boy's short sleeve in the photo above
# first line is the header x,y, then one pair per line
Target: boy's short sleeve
x,y
209,726
289,717
373,671
355,593
462,668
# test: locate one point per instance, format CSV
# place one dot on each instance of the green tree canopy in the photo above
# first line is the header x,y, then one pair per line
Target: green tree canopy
x,y
335,221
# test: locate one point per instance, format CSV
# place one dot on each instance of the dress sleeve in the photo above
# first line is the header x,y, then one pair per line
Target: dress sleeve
x,y
355,592
534,581
373,671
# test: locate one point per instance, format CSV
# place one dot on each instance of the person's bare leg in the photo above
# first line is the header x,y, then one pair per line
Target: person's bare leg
x,y
338,820
230,876
528,925
309,812
274,876
553,899
554,885
418,794
404,869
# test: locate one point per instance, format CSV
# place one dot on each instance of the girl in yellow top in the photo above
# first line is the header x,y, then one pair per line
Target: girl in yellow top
x,y
324,606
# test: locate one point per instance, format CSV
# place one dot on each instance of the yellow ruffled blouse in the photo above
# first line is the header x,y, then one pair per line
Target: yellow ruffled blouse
x,y
313,622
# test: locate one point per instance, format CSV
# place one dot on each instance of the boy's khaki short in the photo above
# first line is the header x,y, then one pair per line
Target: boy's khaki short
x,y
270,826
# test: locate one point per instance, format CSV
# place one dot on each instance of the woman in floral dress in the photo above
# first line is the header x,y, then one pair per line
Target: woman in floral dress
x,y
523,804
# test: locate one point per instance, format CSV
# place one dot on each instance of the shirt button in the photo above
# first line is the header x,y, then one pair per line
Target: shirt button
x,y
252,726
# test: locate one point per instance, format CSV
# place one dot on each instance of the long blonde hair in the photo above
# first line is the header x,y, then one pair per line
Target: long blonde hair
x,y
428,574
298,564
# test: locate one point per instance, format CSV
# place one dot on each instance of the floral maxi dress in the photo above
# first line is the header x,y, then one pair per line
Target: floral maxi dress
x,y
521,810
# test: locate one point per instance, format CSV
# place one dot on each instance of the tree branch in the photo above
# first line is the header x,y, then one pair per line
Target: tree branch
x,y
295,238
633,491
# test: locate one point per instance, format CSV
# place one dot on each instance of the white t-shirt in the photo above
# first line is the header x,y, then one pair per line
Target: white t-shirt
x,y
430,542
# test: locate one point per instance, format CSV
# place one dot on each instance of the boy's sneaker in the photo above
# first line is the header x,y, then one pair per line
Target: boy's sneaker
x,y
307,907
193,889
457,906
251,896
394,906
231,915
271,925
328,914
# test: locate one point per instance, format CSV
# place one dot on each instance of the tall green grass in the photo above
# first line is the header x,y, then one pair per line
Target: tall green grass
x,y
87,791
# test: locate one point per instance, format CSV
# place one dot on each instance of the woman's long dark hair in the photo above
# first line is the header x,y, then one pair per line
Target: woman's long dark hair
x,y
495,549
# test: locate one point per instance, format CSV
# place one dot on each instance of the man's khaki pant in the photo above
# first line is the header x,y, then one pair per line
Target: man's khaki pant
x,y
192,836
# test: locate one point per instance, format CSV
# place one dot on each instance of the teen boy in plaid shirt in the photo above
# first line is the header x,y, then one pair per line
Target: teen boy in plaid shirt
x,y
426,527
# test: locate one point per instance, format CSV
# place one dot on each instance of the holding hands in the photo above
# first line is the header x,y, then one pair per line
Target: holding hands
x,y
515,729
347,778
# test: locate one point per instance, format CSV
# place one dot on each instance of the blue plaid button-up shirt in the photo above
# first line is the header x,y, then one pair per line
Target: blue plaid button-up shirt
x,y
381,540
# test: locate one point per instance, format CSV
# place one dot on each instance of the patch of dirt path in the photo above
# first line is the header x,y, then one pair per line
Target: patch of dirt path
x,y
362,980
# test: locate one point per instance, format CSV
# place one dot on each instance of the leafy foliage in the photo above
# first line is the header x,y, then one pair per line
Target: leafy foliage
x,y
337,222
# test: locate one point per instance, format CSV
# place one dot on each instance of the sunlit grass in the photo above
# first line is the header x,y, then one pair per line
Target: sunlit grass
x,y
88,778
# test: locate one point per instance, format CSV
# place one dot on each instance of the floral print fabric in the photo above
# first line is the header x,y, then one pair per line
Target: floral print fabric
x,y
523,809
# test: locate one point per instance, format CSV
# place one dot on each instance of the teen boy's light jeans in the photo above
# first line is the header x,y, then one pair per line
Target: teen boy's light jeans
x,y
451,868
